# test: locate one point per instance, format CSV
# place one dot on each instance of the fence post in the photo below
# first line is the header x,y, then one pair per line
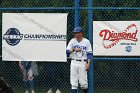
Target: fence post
x,y
76,13
90,27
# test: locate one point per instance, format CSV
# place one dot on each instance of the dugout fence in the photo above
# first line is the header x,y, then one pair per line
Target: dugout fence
x,y
107,74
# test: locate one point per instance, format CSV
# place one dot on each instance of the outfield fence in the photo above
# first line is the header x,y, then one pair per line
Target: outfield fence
x,y
107,74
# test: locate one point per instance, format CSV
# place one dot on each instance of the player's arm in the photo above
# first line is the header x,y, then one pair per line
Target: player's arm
x,y
20,66
69,49
89,55
19,63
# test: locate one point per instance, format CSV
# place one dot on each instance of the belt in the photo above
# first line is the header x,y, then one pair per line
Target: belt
x,y
80,59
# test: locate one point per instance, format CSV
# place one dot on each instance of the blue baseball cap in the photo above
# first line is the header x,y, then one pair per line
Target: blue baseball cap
x,y
78,29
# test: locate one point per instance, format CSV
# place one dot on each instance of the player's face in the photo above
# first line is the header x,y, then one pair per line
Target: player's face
x,y
78,34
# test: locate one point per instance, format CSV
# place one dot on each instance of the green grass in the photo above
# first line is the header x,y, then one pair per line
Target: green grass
x,y
114,91
38,90
44,90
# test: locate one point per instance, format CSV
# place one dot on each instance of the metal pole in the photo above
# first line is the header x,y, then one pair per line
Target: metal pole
x,y
90,27
76,13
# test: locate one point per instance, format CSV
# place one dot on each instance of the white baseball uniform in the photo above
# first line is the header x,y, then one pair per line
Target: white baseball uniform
x,y
78,64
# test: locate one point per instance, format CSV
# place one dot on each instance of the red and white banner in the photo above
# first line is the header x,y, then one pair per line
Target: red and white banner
x,y
34,37
116,38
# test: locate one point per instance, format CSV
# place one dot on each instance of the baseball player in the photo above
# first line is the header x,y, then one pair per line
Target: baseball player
x,y
29,70
80,52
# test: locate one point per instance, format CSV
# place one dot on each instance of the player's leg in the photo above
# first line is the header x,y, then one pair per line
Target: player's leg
x,y
31,85
74,77
83,77
26,86
31,80
25,81
58,77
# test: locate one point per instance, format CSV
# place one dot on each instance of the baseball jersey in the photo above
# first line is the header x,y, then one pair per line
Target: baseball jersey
x,y
84,45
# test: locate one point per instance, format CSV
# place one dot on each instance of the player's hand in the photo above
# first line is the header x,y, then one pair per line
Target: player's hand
x,y
87,66
77,49
30,77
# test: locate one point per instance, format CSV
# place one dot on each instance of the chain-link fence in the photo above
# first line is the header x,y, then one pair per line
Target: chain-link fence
x,y
116,75
110,75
